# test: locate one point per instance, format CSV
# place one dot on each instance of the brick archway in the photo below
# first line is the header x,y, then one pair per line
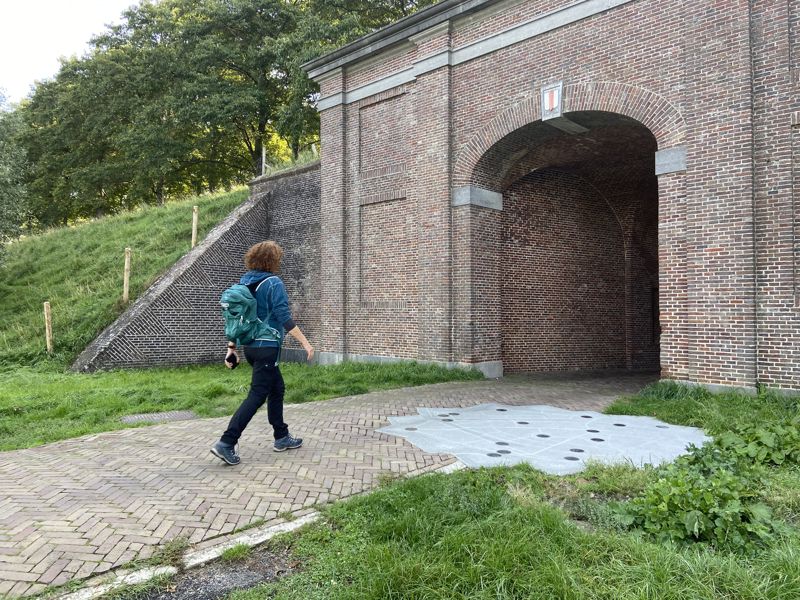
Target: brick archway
x,y
496,156
653,111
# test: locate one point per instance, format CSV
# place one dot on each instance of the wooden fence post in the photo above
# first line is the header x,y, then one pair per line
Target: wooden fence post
x,y
48,327
126,277
194,226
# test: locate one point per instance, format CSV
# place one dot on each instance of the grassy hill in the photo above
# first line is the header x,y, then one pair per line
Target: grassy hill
x,y
79,271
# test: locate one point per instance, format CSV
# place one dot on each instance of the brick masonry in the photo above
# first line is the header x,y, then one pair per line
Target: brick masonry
x,y
593,260
671,219
178,322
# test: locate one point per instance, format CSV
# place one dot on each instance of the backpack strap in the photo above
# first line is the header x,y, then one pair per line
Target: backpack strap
x,y
266,321
253,287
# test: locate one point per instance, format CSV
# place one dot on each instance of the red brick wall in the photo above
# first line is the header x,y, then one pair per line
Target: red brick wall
x,y
380,251
717,242
719,208
563,273
333,129
777,183
384,139
178,321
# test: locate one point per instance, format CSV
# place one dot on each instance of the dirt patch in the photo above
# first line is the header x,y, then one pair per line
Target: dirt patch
x,y
220,578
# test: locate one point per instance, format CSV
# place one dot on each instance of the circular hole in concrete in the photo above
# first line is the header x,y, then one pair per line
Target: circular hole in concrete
x,y
447,420
502,443
504,451
571,458
576,450
619,424
501,409
542,435
411,428
522,422
593,430
586,416
598,440
494,454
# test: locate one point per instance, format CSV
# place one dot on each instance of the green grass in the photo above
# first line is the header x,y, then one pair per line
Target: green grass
x,y
697,407
305,158
142,591
79,271
236,553
474,535
517,533
169,554
784,494
37,407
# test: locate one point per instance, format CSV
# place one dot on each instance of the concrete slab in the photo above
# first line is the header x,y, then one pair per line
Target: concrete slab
x,y
552,439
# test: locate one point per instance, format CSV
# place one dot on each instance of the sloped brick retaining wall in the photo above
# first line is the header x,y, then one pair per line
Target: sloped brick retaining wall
x,y
177,321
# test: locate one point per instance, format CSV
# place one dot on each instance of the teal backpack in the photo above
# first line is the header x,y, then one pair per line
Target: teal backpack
x,y
239,311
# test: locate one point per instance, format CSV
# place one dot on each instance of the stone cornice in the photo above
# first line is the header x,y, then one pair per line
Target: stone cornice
x,y
397,32
539,25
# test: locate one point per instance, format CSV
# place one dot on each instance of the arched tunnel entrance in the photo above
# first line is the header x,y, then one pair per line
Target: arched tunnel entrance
x,y
578,258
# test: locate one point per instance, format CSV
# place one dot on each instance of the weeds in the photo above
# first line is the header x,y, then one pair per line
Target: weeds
x,y
236,553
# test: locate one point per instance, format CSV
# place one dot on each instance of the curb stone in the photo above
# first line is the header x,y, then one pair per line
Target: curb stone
x,y
137,577
257,537
191,560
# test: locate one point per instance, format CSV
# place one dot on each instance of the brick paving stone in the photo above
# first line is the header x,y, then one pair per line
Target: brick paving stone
x,y
5,586
19,589
82,507
55,570
13,575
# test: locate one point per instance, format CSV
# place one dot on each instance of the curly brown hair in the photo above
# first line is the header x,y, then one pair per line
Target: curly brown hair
x,y
264,256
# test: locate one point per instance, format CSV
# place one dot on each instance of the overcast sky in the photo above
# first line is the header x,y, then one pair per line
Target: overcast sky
x,y
35,33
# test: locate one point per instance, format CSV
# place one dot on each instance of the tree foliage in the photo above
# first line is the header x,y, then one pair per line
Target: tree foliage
x,y
13,165
181,97
354,18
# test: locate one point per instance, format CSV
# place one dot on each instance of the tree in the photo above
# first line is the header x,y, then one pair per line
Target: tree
x,y
76,168
182,96
12,174
242,55
176,143
350,19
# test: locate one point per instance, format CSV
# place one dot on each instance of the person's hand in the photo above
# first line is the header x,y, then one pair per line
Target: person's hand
x,y
309,352
231,359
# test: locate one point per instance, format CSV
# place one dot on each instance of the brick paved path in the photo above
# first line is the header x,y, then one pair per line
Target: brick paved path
x,y
72,509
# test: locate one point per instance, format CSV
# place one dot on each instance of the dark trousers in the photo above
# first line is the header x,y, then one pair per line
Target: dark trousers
x,y
266,385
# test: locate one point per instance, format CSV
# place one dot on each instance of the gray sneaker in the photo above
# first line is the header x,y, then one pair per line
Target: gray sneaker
x,y
226,453
287,443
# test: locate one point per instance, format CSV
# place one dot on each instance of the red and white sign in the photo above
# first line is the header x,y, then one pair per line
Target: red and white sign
x,y
551,101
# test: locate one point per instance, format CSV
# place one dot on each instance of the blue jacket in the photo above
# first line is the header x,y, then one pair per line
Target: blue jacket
x,y
272,300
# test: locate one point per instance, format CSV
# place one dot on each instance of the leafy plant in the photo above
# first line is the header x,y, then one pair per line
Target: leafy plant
x,y
685,506
767,443
712,494
709,495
